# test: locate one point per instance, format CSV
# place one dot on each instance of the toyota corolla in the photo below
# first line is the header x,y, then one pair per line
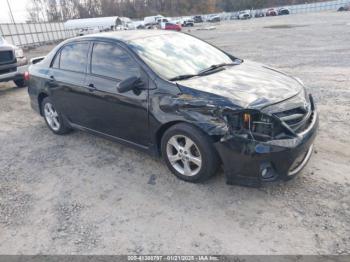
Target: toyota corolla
x,y
178,97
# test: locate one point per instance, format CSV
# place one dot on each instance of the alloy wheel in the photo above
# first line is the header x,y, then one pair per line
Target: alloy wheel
x,y
51,117
184,155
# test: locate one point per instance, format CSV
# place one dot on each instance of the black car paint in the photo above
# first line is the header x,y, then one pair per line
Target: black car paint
x,y
138,118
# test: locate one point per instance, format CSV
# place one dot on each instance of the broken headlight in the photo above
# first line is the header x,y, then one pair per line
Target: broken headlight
x,y
254,125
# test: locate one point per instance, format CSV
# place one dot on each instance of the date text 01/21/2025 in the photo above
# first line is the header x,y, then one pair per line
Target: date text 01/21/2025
x,y
173,258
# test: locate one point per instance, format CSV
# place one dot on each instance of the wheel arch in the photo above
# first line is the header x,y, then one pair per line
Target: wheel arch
x,y
41,97
163,128
160,132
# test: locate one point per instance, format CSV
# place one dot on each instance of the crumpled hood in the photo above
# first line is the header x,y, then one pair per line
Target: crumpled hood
x,y
248,85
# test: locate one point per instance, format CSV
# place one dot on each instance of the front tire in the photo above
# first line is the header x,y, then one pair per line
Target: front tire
x,y
53,118
189,153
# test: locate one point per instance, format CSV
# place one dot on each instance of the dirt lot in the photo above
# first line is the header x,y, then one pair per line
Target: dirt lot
x,y
78,194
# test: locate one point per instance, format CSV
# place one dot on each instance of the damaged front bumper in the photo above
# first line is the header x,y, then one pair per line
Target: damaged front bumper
x,y
251,163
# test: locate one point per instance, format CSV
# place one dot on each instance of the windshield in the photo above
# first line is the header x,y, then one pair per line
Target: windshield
x,y
172,55
2,40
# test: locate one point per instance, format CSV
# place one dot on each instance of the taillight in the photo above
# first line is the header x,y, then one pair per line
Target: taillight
x,y
26,76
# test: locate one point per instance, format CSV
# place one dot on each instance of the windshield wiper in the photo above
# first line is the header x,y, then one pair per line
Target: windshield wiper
x,y
182,77
202,72
214,67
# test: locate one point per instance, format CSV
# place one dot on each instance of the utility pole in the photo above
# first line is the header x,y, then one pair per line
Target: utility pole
x,y
8,4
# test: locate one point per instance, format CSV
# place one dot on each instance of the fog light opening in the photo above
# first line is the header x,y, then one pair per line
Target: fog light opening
x,y
264,172
267,172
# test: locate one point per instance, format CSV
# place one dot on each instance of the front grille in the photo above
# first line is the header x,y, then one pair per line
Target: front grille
x,y
297,118
6,57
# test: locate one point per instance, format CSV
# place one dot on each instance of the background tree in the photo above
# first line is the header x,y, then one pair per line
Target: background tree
x,y
61,10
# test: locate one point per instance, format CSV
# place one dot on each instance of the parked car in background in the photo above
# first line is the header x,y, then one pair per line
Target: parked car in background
x,y
271,12
346,7
12,63
283,11
214,19
152,20
87,31
234,16
138,24
187,22
176,96
162,20
242,15
259,13
198,19
172,26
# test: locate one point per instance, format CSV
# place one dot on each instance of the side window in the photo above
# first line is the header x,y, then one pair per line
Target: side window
x,y
111,61
74,57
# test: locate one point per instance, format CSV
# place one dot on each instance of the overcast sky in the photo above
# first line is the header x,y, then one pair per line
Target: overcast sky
x,y
19,10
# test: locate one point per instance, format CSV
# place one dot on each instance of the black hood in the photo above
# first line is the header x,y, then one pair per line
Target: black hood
x,y
248,85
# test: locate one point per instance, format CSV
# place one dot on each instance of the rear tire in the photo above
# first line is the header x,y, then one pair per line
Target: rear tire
x,y
189,153
53,118
20,82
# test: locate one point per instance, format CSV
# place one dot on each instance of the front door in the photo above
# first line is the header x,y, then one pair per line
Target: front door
x,y
122,115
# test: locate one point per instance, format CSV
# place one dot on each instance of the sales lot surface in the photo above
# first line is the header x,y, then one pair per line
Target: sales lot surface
x,y
79,194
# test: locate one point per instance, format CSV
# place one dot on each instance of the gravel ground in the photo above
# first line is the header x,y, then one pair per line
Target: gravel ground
x,y
79,194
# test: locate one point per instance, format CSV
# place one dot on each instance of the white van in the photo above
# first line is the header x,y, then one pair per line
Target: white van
x,y
152,20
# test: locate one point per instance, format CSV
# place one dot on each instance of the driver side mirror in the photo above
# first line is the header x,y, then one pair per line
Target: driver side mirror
x,y
130,83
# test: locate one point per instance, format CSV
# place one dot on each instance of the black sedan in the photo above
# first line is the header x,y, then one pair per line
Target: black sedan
x,y
175,96
283,11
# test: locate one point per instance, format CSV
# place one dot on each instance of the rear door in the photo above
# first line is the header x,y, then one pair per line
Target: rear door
x,y
67,80
122,115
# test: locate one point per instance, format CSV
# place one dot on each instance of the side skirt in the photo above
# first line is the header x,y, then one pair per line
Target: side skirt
x,y
146,149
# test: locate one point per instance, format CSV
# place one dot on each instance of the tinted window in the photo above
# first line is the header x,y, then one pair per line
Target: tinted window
x,y
111,61
74,57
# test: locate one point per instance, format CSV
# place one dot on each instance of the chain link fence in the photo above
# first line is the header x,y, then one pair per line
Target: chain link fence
x,y
317,7
33,34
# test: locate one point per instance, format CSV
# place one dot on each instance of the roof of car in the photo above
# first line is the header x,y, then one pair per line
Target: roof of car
x,y
128,35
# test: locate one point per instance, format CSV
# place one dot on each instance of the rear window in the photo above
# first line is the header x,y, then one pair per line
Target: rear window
x,y
74,57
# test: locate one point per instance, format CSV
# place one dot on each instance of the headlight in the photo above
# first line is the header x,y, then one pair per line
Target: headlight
x,y
19,52
304,92
253,123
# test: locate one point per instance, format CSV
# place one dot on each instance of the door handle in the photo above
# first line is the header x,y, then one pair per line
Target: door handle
x,y
91,87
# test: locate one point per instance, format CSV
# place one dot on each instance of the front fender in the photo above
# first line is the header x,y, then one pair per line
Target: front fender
x,y
202,113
